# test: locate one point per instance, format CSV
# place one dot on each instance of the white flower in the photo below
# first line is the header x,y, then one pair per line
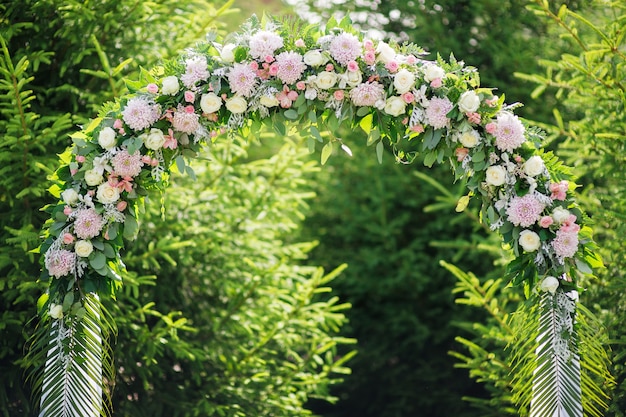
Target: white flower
x,y
154,139
170,85
385,52
236,104
106,138
469,138
351,78
210,102
228,54
93,177
310,94
315,58
529,240
395,106
107,194
326,80
268,101
70,196
560,214
469,102
56,311
549,284
432,72
83,248
403,81
534,166
495,175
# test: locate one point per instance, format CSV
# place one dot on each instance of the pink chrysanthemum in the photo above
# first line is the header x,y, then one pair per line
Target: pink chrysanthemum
x,y
196,69
264,43
524,211
509,132
565,244
140,113
290,67
126,165
345,48
60,262
437,110
88,223
242,79
184,121
367,94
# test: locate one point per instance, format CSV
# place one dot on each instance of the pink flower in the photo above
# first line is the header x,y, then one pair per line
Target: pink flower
x,y
255,65
491,128
367,94
370,57
140,113
264,43
569,225
190,96
88,223
290,67
411,60
353,66
509,132
300,85
121,205
418,128
152,88
80,159
559,190
146,159
368,44
565,244
185,122
127,165
170,142
300,43
437,110
436,83
392,66
546,221
117,124
329,67
344,48
273,69
339,95
67,210
408,97
68,238
285,98
461,153
473,117
60,262
196,69
524,211
242,79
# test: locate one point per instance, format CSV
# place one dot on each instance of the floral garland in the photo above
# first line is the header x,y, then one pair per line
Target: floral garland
x,y
273,74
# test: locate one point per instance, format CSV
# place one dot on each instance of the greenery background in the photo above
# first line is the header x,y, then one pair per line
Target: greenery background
x,y
391,224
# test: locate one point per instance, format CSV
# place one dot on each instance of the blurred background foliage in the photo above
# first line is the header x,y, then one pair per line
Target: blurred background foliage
x,y
221,313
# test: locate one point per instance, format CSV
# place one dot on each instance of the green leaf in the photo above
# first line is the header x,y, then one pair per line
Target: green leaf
x,y
379,151
97,260
291,114
327,150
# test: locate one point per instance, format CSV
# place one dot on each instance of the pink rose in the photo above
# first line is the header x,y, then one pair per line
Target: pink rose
x,y
491,128
339,95
392,66
300,43
436,83
546,221
68,238
353,66
190,96
408,97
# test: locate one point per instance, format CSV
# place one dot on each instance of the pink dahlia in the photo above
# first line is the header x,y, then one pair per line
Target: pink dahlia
x,y
140,113
524,211
509,132
185,121
196,69
264,43
126,165
60,262
437,110
565,244
290,67
242,79
367,94
345,48
88,223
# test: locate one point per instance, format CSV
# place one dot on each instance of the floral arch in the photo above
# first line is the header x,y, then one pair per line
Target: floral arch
x,y
270,74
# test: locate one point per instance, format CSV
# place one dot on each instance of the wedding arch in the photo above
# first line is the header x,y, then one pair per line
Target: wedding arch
x,y
321,80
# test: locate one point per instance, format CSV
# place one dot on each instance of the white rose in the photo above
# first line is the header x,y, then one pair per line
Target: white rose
x,y
351,78
469,138
70,196
534,166
310,94
403,81
432,72
469,102
385,52
268,101
395,106
228,54
326,80
529,240
170,85
83,248
56,311
495,175
93,177
314,58
549,284
210,102
107,194
560,214
106,138
236,104
154,139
